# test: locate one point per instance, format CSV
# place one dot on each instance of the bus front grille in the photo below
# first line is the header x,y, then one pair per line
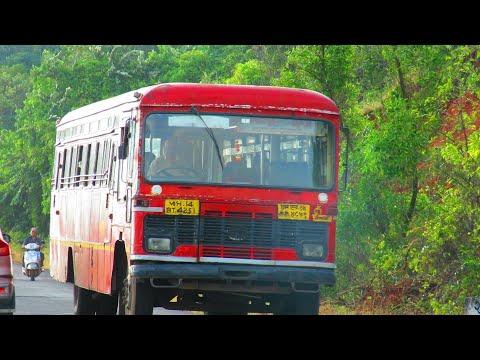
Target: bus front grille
x,y
260,233
236,236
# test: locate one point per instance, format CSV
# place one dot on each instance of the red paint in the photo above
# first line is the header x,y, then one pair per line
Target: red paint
x,y
284,255
244,97
6,276
4,248
186,251
331,242
248,253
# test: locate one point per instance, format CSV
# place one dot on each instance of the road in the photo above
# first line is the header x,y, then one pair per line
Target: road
x,y
45,296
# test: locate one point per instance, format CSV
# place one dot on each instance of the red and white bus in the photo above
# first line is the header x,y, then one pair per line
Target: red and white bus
x,y
245,223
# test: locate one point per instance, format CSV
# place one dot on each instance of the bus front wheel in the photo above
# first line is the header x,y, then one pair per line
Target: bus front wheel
x,y
138,296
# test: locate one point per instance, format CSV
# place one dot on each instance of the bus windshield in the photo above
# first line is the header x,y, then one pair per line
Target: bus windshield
x,y
255,151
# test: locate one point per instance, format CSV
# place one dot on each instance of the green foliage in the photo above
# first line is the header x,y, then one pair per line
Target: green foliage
x,y
253,72
14,85
26,55
326,69
410,219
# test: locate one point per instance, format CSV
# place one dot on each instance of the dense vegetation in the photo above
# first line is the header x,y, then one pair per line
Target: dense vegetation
x,y
408,230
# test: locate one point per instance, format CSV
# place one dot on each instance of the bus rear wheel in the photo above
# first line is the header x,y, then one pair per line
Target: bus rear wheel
x,y
106,304
83,303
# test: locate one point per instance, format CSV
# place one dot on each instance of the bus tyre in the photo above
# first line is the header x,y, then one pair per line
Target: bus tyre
x,y
139,297
299,303
106,304
122,302
83,303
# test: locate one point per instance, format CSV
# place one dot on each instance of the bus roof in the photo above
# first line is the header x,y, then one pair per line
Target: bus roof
x,y
213,95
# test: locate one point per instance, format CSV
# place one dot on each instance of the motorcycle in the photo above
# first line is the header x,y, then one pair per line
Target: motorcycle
x,y
32,261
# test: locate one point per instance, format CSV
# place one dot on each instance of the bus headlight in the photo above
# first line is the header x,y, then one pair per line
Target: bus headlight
x,y
312,250
163,244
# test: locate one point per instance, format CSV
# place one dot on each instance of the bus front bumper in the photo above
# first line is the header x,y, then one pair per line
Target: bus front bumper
x,y
224,272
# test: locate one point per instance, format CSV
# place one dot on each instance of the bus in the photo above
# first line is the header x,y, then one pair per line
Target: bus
x,y
245,223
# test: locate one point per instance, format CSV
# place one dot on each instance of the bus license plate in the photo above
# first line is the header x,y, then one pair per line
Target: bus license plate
x,y
181,207
293,211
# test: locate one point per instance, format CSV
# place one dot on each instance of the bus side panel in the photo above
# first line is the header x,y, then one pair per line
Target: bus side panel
x,y
82,232
91,224
59,258
81,252
104,234
55,243
54,235
116,225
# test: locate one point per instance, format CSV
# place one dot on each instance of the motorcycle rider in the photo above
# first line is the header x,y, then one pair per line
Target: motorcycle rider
x,y
33,238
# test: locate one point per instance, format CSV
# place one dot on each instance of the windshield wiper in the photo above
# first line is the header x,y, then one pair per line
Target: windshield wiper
x,y
212,136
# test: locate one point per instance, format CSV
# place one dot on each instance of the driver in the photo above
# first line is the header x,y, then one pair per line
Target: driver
x,y
170,158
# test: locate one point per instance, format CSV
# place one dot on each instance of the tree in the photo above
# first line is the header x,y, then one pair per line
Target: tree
x,y
15,83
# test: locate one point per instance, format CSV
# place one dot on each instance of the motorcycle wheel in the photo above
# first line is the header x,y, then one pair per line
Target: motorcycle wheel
x,y
32,278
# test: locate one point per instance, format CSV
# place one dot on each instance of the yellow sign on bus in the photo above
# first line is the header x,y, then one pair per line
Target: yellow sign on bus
x,y
182,207
293,211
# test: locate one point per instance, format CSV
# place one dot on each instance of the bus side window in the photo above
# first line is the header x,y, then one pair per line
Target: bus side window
x,y
79,166
106,162
71,169
86,168
64,165
92,164
59,166
98,165
113,168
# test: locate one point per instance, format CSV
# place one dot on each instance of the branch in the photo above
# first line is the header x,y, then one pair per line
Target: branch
x,y
413,202
405,264
401,79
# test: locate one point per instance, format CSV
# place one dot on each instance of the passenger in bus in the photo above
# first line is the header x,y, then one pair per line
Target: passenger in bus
x,y
237,172
170,159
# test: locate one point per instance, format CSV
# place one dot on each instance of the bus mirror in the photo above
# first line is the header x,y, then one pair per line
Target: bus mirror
x,y
121,151
346,131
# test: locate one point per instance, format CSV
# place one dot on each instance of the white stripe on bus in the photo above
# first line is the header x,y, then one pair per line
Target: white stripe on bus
x,y
148,209
234,261
164,258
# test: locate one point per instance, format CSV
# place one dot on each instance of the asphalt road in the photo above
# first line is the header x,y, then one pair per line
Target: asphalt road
x,y
45,296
